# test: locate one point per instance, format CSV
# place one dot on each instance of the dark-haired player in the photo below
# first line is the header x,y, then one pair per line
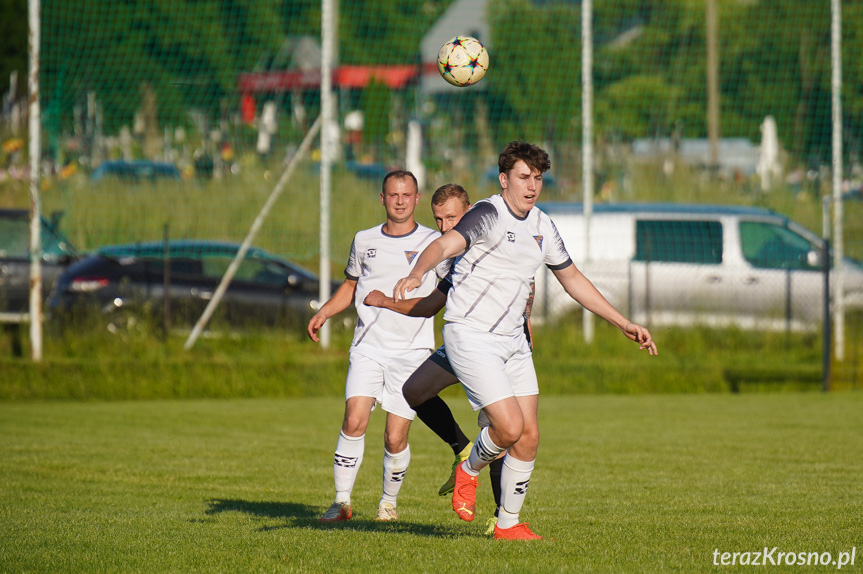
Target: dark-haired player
x,y
502,242
449,203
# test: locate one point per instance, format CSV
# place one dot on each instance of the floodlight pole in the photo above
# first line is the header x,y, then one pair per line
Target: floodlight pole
x,y
587,141
713,85
838,251
327,148
35,151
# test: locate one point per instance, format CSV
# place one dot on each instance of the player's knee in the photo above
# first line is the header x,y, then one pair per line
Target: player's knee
x,y
530,437
506,435
354,425
395,442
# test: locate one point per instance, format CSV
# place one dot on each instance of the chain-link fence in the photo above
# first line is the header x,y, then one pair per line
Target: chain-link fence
x,y
181,115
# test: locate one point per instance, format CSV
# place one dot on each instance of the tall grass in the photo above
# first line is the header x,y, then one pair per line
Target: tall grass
x,y
91,364
110,212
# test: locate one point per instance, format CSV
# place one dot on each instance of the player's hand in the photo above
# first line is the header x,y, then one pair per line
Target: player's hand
x,y
315,325
376,299
641,336
404,285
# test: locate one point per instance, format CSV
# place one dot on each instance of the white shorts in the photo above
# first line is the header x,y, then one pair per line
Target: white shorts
x,y
491,367
383,376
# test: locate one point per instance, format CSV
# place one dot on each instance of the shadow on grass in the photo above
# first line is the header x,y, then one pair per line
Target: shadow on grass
x,y
305,516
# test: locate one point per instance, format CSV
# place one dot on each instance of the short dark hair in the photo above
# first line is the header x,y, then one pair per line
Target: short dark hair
x,y
534,156
448,191
399,174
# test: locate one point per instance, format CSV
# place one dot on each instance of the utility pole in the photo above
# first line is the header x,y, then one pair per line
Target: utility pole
x,y
328,45
587,140
713,84
838,237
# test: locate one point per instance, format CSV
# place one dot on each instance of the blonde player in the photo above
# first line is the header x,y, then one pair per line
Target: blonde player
x,y
386,348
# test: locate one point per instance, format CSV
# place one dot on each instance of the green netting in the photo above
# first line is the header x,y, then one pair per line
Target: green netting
x,y
224,91
191,83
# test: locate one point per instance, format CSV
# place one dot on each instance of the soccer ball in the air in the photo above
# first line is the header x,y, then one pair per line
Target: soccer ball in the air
x,y
462,61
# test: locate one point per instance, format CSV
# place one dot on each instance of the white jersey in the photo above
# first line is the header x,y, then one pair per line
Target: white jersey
x,y
378,261
491,281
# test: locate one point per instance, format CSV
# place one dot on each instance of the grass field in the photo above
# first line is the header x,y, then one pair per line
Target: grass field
x,y
623,483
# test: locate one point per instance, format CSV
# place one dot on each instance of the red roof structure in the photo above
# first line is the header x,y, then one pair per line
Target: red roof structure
x,y
395,77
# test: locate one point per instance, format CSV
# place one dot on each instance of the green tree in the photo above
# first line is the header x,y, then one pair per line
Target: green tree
x,y
535,68
376,32
637,106
13,43
189,51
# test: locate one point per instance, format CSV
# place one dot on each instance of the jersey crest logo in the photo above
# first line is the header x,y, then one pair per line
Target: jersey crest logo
x,y
370,253
411,255
510,236
538,239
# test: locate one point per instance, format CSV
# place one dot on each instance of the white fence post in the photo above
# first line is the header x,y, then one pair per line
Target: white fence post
x,y
35,150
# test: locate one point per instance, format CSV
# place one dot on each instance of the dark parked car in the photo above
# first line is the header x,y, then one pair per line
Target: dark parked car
x,y
125,283
57,255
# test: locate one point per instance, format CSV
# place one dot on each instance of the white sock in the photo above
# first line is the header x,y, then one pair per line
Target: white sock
x,y
483,452
395,468
514,479
346,464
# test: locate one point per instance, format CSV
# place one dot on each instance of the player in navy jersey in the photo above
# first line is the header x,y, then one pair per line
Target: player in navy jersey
x,y
386,348
449,203
500,244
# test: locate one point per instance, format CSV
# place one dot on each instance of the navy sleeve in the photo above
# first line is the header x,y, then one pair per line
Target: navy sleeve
x,y
560,266
476,222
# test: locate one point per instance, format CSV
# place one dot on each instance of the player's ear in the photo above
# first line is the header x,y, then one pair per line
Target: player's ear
x,y
382,199
502,178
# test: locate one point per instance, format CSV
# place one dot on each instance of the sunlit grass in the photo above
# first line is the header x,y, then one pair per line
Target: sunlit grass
x,y
622,484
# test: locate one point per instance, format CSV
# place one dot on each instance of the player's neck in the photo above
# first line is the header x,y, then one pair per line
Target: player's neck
x,y
510,204
399,228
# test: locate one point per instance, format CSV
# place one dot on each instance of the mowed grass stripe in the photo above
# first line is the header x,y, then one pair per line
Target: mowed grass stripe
x,y
622,483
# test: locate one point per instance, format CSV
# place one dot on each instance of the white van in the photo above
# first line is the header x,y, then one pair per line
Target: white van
x,y
676,264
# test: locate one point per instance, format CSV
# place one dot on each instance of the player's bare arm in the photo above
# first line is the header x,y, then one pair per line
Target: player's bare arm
x,y
417,307
588,296
450,244
341,300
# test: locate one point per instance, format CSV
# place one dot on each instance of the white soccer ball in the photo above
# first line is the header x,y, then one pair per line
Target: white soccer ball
x,y
462,61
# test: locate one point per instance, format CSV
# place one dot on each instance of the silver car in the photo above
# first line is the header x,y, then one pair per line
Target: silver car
x,y
678,264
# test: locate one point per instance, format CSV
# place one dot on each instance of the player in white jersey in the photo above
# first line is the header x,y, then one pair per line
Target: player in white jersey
x,y
449,203
386,348
503,241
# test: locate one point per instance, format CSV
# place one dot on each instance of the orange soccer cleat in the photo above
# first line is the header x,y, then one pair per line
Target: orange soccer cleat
x,y
464,494
517,532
